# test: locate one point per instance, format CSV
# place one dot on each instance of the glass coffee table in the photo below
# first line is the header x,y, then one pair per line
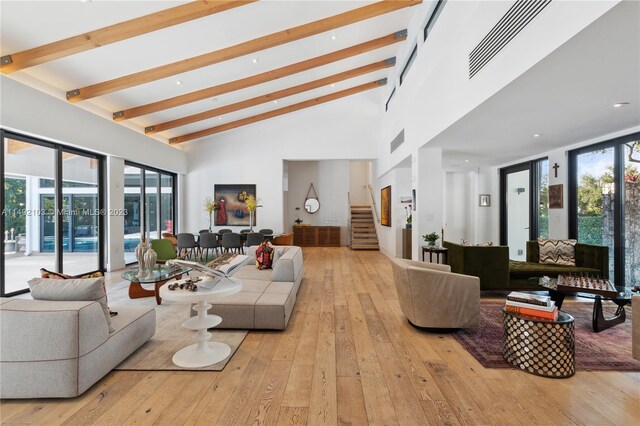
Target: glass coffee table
x,y
158,277
620,295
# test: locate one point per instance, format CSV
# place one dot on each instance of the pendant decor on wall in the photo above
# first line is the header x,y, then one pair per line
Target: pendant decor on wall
x,y
233,210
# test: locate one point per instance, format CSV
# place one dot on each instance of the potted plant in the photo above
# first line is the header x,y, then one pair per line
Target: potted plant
x,y
407,211
298,221
431,238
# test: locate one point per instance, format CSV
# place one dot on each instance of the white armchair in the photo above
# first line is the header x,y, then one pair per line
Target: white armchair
x,y
433,297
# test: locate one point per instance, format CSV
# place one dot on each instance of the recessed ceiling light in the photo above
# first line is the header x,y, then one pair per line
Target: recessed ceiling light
x,y
333,37
620,104
254,60
220,118
179,82
333,85
536,135
466,161
275,102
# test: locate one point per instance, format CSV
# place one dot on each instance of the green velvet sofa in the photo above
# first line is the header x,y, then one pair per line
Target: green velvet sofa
x,y
496,272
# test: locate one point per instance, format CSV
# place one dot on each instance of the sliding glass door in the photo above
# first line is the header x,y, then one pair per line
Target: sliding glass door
x,y
149,200
604,198
52,200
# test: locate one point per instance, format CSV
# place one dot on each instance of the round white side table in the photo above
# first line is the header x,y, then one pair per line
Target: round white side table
x,y
203,352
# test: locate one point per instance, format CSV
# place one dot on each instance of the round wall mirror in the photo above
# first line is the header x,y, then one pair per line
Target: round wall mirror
x,y
312,205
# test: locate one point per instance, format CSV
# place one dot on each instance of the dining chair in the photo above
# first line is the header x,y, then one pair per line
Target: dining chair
x,y
164,249
254,239
208,240
245,231
231,242
224,231
266,231
187,243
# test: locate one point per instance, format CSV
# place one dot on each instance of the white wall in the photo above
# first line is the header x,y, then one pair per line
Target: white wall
x,y
32,112
390,238
254,154
457,215
358,181
330,180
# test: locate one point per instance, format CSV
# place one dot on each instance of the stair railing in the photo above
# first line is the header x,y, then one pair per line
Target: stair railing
x,y
373,202
348,220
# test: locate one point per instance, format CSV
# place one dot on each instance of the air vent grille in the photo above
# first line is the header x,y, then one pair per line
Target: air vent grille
x,y
397,141
516,18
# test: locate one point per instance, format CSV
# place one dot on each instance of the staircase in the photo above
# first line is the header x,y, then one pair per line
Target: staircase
x,y
363,230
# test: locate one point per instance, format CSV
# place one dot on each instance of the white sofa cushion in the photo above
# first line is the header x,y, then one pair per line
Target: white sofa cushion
x,y
86,289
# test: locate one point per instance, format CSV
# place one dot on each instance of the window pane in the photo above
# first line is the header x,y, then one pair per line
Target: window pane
x,y
166,203
25,164
80,214
151,205
595,199
632,212
133,206
543,195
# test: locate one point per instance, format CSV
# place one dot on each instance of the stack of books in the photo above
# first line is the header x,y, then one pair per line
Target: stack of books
x,y
532,305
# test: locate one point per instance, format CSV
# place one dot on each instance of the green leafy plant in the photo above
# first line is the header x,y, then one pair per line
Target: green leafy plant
x,y
431,238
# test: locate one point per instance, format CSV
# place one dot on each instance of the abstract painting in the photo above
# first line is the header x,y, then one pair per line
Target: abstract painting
x,y
233,211
385,206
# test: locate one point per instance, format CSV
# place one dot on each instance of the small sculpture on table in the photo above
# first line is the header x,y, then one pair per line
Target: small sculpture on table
x,y
141,249
150,258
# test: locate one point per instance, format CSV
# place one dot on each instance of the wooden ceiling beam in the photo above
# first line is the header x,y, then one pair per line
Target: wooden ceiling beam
x,y
278,112
242,49
114,33
264,77
290,91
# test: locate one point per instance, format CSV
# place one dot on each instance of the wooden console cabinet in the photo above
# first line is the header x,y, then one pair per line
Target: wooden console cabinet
x,y
316,236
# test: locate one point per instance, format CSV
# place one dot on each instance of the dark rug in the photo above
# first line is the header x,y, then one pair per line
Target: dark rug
x,y
608,350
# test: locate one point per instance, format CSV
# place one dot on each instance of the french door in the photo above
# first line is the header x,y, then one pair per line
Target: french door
x,y
524,204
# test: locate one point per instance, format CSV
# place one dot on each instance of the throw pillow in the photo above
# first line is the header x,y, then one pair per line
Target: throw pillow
x,y
277,254
59,276
557,252
44,273
264,255
88,289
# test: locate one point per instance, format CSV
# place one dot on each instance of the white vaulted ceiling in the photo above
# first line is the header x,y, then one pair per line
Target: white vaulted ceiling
x,y
25,25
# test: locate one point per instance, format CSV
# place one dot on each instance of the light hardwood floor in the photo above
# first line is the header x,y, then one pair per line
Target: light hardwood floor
x,y
348,356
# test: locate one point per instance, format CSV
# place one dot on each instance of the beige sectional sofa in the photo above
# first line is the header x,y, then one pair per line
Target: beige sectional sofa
x,y
267,296
55,349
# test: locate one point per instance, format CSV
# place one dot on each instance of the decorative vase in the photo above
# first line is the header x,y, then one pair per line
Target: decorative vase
x,y
141,249
251,221
150,258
